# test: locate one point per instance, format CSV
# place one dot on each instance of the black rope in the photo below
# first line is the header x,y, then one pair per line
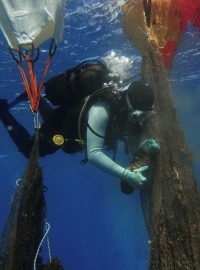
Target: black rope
x,y
147,11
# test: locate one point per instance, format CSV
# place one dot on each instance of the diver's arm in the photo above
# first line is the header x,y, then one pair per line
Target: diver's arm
x,y
98,118
44,108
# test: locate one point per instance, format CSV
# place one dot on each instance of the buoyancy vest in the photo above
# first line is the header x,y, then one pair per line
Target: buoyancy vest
x,y
59,131
119,125
68,91
64,123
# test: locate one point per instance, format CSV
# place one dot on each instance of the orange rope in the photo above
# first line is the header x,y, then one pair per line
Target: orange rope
x,y
33,92
48,62
26,84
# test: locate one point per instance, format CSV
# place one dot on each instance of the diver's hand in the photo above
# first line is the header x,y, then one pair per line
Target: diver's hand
x,y
135,177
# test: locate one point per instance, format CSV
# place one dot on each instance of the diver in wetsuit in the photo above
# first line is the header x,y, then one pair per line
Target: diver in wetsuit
x,y
111,114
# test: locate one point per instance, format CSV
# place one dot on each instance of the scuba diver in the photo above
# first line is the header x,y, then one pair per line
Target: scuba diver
x,y
87,108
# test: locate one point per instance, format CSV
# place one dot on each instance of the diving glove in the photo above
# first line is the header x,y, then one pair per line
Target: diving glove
x,y
149,146
135,178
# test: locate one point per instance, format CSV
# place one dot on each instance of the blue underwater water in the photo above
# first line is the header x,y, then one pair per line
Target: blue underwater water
x,y
93,225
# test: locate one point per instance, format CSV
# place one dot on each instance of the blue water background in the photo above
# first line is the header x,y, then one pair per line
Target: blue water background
x,y
94,225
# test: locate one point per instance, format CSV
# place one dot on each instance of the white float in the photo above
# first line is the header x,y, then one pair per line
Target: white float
x,y
29,23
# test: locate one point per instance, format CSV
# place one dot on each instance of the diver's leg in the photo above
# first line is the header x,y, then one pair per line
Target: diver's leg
x,y
18,99
17,132
45,109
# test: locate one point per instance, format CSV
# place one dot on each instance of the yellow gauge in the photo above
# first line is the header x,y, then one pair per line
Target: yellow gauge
x,y
58,139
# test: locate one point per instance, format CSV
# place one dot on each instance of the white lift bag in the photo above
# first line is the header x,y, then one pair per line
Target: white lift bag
x,y
28,23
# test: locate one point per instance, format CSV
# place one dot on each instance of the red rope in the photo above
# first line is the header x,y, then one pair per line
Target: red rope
x,y
48,62
31,87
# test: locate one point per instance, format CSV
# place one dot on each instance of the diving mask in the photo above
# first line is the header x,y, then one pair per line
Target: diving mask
x,y
139,115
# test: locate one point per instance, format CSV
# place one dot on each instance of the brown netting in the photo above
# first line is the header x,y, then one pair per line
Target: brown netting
x,y
54,265
166,21
175,201
24,228
163,18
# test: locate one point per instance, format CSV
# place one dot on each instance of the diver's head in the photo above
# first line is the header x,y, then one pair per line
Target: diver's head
x,y
71,87
140,96
91,78
140,100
